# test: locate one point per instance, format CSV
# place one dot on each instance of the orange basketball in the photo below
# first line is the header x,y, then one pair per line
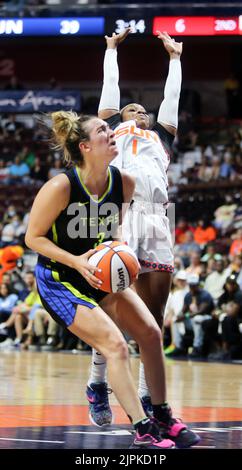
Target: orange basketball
x,y
118,263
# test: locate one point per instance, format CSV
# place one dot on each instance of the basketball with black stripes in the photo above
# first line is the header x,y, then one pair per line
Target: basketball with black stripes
x,y
118,263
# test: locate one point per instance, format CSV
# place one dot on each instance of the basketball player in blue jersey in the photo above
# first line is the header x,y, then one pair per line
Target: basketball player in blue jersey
x,y
144,153
64,215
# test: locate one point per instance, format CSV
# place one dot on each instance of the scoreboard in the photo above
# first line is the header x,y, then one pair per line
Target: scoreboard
x,y
100,25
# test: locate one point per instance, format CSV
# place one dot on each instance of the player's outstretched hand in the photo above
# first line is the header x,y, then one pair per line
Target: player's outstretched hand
x,y
114,40
88,270
173,48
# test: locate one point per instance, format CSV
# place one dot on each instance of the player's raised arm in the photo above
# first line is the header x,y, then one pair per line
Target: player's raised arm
x,y
168,112
110,97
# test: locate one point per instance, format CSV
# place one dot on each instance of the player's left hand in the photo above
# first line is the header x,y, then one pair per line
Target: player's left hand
x,y
114,40
173,48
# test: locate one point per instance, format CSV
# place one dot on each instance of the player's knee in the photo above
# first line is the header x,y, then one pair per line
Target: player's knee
x,y
118,348
152,335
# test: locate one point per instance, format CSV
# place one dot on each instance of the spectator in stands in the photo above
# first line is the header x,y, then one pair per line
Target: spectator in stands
x,y
198,307
215,281
227,171
237,167
230,317
195,266
174,307
181,228
9,213
46,330
27,156
8,300
19,172
29,281
8,235
4,172
236,245
56,169
204,233
12,127
224,214
205,171
38,172
185,249
215,168
20,316
12,231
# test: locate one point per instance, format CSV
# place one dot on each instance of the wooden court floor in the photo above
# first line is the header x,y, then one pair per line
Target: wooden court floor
x,y
43,405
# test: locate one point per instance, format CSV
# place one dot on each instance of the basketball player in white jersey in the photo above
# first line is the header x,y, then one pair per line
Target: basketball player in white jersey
x,y
145,154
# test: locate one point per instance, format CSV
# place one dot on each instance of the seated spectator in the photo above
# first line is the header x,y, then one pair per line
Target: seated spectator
x,y
195,266
204,233
231,331
181,228
27,156
229,318
4,172
8,235
46,329
186,248
7,302
38,172
12,127
20,315
18,172
56,169
29,283
224,214
226,169
9,213
236,245
12,231
204,173
174,306
198,307
214,283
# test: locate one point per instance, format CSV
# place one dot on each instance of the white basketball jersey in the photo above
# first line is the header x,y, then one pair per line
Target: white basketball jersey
x,y
142,154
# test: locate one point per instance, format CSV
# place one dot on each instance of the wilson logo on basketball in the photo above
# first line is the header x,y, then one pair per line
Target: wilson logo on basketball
x,y
121,284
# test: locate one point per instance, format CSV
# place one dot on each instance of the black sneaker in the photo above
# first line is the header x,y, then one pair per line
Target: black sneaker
x,y
176,430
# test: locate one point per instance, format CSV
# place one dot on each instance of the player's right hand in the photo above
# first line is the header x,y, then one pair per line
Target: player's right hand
x,y
87,270
114,40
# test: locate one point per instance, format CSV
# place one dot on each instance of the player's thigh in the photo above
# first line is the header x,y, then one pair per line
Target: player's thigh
x,y
130,313
96,328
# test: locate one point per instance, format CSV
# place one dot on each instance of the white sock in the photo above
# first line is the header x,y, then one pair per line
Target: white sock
x,y
143,390
98,368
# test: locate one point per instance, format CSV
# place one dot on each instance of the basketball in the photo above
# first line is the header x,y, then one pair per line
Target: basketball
x,y
118,263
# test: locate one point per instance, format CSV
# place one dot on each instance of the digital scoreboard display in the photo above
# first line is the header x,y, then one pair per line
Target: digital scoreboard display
x,y
197,25
52,26
100,25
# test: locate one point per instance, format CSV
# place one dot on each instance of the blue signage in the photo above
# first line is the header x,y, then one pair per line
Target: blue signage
x,y
29,101
52,26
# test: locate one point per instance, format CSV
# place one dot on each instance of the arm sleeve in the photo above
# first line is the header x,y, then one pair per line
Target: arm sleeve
x,y
110,97
168,112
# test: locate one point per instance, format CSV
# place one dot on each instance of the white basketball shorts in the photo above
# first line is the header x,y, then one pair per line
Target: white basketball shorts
x,y
146,230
